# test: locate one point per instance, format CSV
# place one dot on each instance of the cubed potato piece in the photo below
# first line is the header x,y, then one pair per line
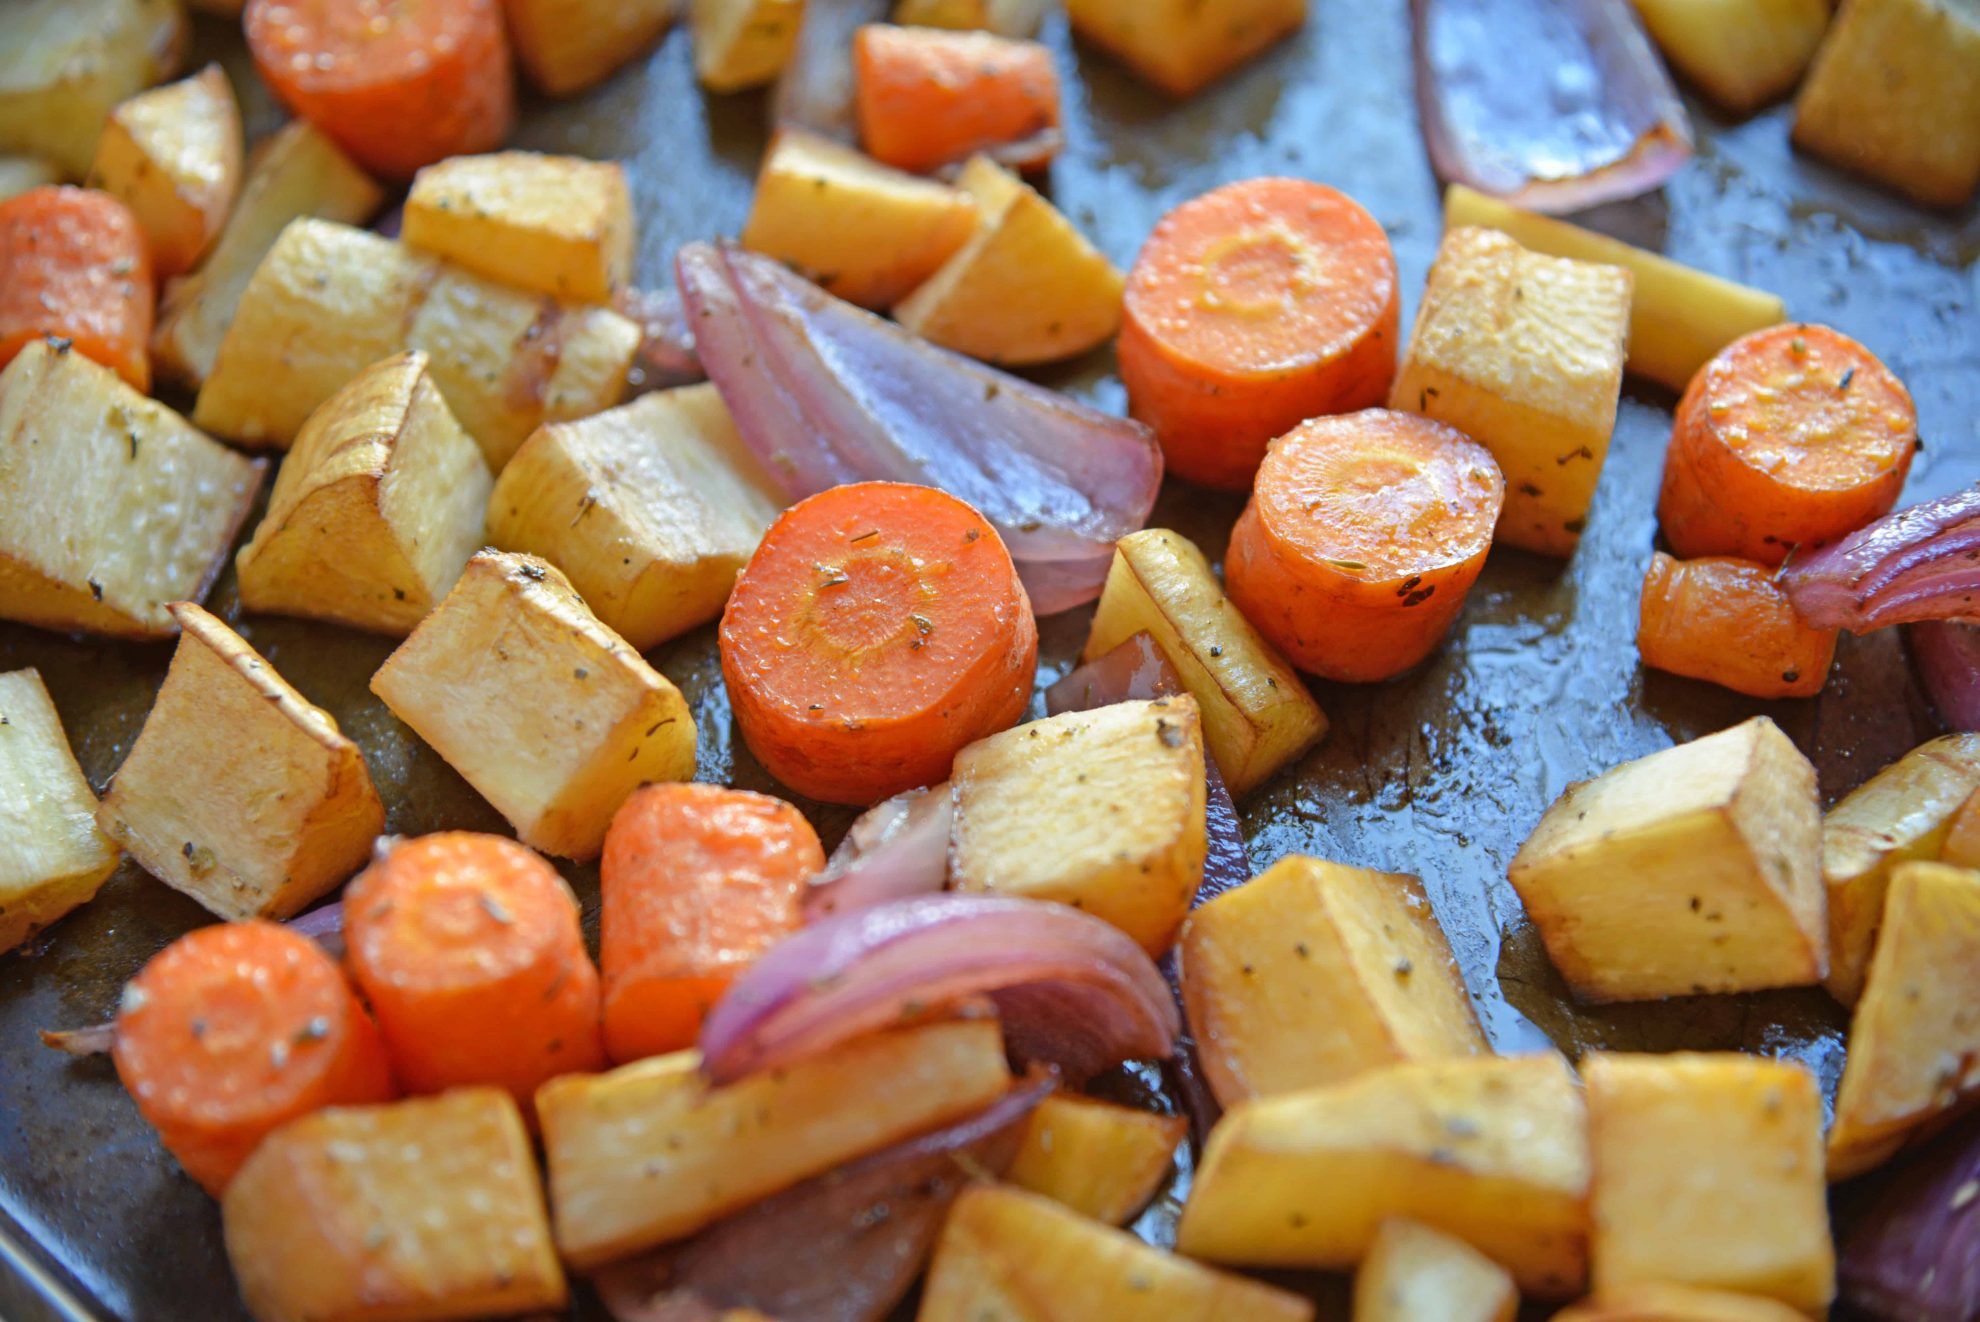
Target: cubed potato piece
x,y
559,225
21,174
1884,96
1257,715
1491,1149
864,231
1181,46
1027,288
1524,354
1677,1303
239,791
297,172
173,154
1006,18
740,44
1415,1274
381,502
566,46
1903,813
1962,843
1316,972
1679,318
1014,1256
65,63
1693,870
651,509
1914,1042
540,707
111,506
1099,1159
1101,809
416,1211
651,1152
1708,1172
1743,53
52,857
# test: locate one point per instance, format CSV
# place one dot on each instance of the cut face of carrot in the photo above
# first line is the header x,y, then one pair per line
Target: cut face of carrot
x,y
234,1030
878,628
1250,309
927,98
1792,436
73,266
1726,621
697,881
1361,539
468,948
398,83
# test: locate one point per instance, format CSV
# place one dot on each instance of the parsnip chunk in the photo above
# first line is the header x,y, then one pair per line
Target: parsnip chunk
x,y
65,63
740,44
173,155
1099,1159
559,225
1677,1303
566,46
1416,1274
1181,46
1744,53
52,857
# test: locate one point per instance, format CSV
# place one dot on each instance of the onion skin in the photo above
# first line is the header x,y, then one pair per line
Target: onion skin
x,y
898,848
1914,1253
323,925
1554,107
865,1230
1072,991
1946,656
1921,563
665,357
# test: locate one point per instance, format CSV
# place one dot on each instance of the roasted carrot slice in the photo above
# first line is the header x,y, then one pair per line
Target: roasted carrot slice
x,y
1361,539
879,627
697,881
1725,620
468,948
399,84
1250,309
1791,436
927,98
234,1030
73,266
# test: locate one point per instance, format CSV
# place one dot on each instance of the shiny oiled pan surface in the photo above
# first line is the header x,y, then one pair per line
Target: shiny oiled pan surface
x,y
1440,773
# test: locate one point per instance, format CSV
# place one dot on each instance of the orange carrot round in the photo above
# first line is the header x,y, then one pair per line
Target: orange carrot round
x,y
927,98
879,627
1361,539
1250,309
468,948
1726,621
399,84
74,266
1791,436
697,881
234,1030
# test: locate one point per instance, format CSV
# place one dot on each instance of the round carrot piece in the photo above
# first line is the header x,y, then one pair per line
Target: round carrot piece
x,y
879,627
927,98
697,881
1791,436
234,1030
1361,539
468,948
1250,309
1726,621
74,266
399,84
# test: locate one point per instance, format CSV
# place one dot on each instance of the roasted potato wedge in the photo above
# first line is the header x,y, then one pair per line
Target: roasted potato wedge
x,y
651,509
21,174
65,63
239,791
1316,972
651,1152
124,509
377,509
1415,1274
173,154
566,46
419,1211
1182,46
1101,1160
1721,841
1102,810
740,44
1493,1150
540,707
1743,53
52,856
558,225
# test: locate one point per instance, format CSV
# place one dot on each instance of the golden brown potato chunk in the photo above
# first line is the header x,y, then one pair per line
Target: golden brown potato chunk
x,y
1181,46
52,857
559,225
1099,1159
65,63
173,155
1416,1274
743,43
1677,1303
566,46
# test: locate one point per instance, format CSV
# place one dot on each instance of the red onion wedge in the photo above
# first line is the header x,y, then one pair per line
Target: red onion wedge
x,y
96,1040
324,925
665,357
1554,106
896,849
1947,658
865,1231
816,89
1921,563
1914,1253
1073,991
826,393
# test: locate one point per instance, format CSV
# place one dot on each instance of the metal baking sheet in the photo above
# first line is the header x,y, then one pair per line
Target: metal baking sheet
x,y
1440,773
